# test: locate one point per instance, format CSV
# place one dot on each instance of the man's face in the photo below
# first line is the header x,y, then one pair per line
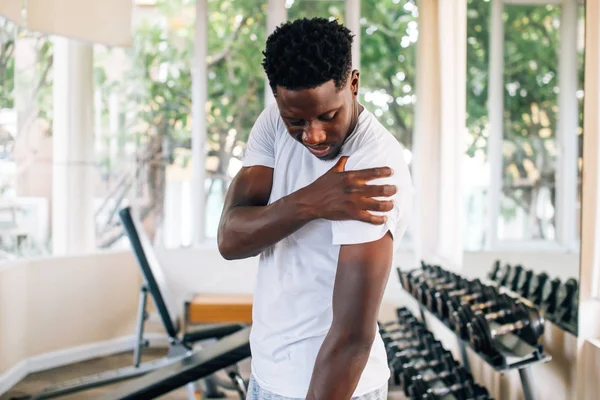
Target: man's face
x,y
320,118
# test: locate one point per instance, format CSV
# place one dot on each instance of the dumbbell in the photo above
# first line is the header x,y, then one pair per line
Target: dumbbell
x,y
424,289
524,285
469,391
566,299
418,274
492,310
515,277
528,325
536,289
439,366
493,275
416,333
401,345
550,295
401,361
400,325
461,286
415,286
420,385
427,350
504,275
476,290
483,296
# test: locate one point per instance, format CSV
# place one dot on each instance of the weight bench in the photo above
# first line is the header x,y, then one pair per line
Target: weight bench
x,y
223,354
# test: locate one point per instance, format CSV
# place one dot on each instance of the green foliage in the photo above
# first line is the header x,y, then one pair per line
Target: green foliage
x,y
7,63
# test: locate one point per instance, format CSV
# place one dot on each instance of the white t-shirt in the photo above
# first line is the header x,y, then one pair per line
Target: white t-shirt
x,y
292,310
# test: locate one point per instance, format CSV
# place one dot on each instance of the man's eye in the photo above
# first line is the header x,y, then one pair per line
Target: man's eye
x,y
328,117
297,123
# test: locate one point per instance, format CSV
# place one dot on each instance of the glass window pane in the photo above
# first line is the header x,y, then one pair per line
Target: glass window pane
x,y
332,9
530,112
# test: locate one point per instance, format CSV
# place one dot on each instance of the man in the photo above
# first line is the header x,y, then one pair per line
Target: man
x,y
324,197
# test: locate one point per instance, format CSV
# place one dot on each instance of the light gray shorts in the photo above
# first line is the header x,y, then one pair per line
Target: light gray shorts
x,y
255,392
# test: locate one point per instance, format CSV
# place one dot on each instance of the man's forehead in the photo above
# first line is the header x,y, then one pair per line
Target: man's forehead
x,y
319,100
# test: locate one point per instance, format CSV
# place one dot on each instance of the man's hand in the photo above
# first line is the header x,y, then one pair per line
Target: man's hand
x,y
248,225
341,195
362,274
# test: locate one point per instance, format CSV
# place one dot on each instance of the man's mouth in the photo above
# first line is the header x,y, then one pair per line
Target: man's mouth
x,y
320,150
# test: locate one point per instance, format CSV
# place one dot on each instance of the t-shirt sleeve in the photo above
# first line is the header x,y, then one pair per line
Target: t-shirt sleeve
x,y
260,149
356,232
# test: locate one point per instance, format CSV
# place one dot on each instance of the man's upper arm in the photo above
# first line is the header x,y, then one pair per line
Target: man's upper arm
x,y
362,274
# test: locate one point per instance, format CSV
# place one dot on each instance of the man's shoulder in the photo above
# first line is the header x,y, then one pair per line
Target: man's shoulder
x,y
374,144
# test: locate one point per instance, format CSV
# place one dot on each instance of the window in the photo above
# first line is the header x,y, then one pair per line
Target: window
x,y
25,141
332,9
527,166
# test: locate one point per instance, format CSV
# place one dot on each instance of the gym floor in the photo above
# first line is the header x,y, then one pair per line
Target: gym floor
x,y
37,381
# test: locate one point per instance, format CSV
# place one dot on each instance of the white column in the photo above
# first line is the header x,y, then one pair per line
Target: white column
x,y
199,97
495,112
567,138
452,20
353,23
73,225
426,148
586,373
276,15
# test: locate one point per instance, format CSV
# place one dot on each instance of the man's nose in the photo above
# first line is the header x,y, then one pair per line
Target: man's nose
x,y
313,135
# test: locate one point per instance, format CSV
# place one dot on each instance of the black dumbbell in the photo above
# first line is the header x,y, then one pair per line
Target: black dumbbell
x,y
550,295
493,275
439,366
455,378
528,325
504,275
391,337
524,285
423,290
407,277
401,345
536,289
415,286
422,350
460,286
566,299
483,296
515,277
475,291
493,310
469,391
401,361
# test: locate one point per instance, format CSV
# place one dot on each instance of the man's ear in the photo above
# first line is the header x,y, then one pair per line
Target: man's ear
x,y
354,78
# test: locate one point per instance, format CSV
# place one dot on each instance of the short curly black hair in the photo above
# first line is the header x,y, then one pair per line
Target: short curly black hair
x,y
305,53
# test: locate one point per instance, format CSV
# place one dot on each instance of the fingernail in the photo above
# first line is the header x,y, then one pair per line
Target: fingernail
x,y
392,169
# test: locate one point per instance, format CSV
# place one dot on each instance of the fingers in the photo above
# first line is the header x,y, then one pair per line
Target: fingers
x,y
341,164
372,173
377,205
378,190
369,218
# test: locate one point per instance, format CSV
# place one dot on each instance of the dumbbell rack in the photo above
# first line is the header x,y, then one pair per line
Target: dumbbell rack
x,y
512,352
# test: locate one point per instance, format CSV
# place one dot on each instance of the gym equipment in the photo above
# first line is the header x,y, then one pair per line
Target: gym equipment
x,y
200,364
420,343
550,295
495,309
524,285
504,275
529,325
442,366
466,390
536,292
515,277
181,341
493,274
421,384
445,301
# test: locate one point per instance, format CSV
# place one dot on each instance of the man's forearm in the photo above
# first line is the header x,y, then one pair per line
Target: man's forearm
x,y
338,368
245,231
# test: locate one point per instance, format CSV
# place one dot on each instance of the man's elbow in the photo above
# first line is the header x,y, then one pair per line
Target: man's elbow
x,y
356,340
